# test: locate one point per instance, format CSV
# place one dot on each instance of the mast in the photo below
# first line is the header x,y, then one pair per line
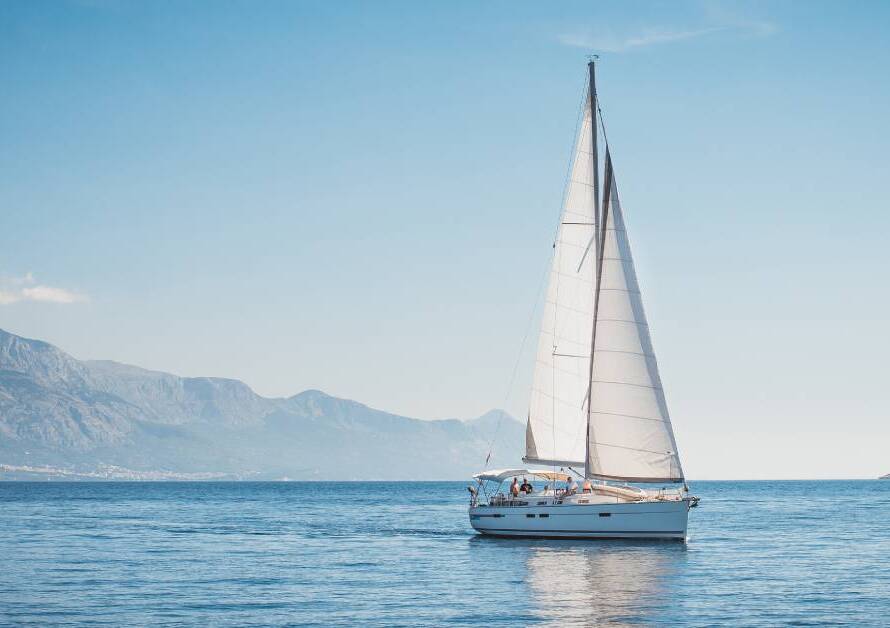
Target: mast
x,y
594,143
591,68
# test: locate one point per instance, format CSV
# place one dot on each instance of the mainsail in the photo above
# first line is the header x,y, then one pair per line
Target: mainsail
x,y
597,399
557,418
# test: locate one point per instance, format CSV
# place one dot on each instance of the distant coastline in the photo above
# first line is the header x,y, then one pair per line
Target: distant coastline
x,y
67,419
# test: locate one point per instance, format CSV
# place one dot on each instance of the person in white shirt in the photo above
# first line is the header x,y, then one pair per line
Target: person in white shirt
x,y
570,486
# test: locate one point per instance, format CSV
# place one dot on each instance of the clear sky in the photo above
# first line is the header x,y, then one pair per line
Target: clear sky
x,y
360,197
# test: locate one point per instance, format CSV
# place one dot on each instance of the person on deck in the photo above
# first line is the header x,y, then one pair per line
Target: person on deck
x,y
514,488
570,486
526,487
587,487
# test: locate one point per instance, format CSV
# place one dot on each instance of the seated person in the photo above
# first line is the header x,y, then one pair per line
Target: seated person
x,y
587,487
570,486
526,487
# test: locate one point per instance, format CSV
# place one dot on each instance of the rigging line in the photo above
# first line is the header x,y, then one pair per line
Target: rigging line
x,y
602,123
584,183
528,326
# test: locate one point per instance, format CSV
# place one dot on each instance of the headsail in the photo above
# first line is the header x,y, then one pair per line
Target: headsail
x,y
630,436
557,419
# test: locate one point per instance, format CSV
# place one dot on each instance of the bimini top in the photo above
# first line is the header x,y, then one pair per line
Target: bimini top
x,y
502,474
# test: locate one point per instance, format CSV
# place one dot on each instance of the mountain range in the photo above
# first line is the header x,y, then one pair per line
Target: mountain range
x,y
66,418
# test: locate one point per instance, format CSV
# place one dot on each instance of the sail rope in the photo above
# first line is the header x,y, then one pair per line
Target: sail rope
x,y
537,298
528,327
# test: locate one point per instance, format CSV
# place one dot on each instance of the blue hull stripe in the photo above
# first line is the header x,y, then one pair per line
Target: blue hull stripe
x,y
496,530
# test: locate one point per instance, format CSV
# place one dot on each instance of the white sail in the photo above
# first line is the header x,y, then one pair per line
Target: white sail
x,y
630,436
557,419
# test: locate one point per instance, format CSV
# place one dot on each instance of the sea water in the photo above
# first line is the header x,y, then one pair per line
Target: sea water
x,y
403,554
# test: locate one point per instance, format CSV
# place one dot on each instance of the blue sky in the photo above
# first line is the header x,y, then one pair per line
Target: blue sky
x,y
360,197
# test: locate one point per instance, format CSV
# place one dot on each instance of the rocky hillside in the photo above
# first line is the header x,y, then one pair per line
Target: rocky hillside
x,y
69,418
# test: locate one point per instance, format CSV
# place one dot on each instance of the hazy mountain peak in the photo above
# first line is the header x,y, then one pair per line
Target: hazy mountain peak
x,y
41,360
312,394
491,417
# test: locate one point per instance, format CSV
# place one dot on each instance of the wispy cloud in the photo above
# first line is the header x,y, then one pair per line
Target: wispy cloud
x,y
602,41
26,288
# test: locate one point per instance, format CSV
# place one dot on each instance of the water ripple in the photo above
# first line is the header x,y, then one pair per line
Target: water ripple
x,y
402,554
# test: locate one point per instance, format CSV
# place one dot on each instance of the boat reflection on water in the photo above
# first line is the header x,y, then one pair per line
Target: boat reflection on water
x,y
601,583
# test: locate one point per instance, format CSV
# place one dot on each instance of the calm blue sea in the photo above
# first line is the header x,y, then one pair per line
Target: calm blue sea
x,y
760,553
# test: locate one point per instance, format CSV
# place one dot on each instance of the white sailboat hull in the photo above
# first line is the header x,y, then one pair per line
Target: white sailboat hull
x,y
631,520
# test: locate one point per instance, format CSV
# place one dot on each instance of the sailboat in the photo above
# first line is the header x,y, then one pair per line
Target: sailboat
x,y
597,411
